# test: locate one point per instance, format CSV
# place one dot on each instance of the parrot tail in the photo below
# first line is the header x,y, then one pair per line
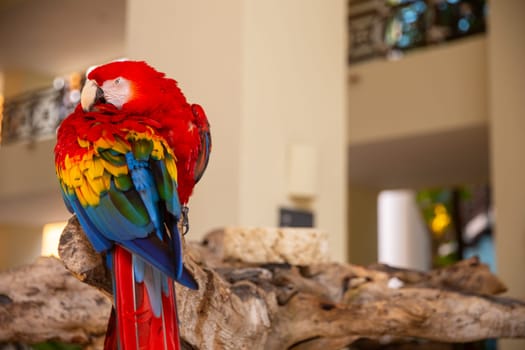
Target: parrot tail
x,y
145,315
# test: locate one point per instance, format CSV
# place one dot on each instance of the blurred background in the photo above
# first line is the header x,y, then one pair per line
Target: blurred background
x,y
397,126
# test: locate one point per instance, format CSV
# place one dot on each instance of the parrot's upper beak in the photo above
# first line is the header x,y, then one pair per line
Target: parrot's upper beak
x,y
91,94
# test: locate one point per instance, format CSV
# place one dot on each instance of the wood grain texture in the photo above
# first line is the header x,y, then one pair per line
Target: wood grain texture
x,y
264,306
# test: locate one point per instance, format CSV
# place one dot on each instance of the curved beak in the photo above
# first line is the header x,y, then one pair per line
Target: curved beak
x,y
91,94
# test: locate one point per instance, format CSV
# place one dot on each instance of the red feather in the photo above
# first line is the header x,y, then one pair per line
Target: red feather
x,y
139,328
158,103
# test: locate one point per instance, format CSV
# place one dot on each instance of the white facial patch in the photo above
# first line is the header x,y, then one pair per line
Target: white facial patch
x,y
117,91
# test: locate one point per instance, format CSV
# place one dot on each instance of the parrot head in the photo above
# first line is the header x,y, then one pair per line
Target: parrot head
x,y
131,86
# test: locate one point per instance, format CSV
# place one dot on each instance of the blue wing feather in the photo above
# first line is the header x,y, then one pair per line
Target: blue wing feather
x,y
144,183
97,239
176,244
167,188
66,200
115,226
155,252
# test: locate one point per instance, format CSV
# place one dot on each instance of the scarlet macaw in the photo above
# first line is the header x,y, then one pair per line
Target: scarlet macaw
x,y
127,160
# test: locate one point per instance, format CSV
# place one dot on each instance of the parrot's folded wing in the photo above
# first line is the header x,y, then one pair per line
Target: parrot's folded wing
x,y
107,197
205,141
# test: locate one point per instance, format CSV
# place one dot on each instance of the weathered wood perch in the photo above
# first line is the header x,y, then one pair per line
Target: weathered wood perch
x,y
274,306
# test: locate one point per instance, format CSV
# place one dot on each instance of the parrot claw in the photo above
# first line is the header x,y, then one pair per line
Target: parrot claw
x,y
185,221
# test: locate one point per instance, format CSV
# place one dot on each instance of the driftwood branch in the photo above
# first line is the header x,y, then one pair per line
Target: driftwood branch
x,y
43,301
272,306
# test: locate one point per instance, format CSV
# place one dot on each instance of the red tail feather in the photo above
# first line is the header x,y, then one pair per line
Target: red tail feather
x,y
110,343
137,328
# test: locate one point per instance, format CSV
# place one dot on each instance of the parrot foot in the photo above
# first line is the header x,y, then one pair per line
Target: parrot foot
x,y
185,221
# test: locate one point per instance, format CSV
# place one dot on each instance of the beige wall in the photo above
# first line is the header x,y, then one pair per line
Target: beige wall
x,y
17,81
19,244
432,89
29,198
293,91
269,74
507,72
507,109
27,169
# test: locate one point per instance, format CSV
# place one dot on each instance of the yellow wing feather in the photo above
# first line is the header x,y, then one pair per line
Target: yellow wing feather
x,y
89,175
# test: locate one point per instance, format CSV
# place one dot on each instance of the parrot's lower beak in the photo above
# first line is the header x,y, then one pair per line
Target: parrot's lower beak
x,y
91,95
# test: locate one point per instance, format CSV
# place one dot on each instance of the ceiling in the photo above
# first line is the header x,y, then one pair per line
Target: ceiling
x,y
60,36
452,157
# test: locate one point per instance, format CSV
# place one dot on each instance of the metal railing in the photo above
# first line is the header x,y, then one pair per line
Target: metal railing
x,y
36,114
383,28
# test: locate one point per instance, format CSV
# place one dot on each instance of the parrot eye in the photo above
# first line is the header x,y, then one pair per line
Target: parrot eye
x,y
117,91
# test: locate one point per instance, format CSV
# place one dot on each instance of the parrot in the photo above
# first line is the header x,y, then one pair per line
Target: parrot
x,y
127,160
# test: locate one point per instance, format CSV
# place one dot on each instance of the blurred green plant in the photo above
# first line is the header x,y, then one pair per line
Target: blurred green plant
x,y
439,208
